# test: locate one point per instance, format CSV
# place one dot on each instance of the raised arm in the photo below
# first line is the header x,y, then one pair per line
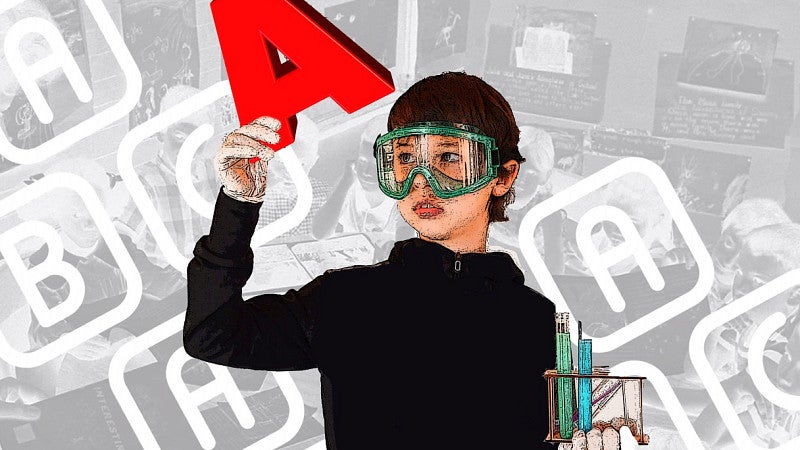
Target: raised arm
x,y
270,332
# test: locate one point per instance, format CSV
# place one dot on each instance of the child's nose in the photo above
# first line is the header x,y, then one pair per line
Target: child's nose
x,y
420,181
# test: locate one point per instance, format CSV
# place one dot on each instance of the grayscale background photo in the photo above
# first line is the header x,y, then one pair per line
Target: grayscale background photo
x,y
704,92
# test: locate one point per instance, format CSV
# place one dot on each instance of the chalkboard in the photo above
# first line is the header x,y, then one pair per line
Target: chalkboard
x,y
441,30
554,39
67,109
709,114
22,127
19,121
727,56
162,37
357,19
621,143
548,93
67,16
707,182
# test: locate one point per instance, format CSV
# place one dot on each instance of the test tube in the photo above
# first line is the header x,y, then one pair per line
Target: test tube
x,y
564,385
584,384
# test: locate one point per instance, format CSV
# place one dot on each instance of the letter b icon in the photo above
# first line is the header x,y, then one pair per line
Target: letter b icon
x,y
54,264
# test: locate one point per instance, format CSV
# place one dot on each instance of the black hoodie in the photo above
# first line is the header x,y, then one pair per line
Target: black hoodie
x,y
428,349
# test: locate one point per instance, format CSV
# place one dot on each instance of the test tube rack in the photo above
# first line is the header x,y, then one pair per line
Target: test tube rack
x,y
553,429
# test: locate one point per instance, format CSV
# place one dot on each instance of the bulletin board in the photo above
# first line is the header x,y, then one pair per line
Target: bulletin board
x,y
656,75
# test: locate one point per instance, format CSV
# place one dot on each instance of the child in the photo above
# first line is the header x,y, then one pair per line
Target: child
x,y
744,218
532,186
357,204
439,346
637,196
765,254
105,285
160,181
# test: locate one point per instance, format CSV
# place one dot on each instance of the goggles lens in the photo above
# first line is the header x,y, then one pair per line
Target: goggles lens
x,y
455,159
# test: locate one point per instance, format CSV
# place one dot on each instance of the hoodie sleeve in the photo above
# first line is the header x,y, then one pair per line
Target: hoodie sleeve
x,y
265,332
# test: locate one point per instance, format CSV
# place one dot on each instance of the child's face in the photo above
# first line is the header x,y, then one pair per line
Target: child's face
x,y
462,216
75,221
175,135
754,271
440,219
530,177
365,167
727,247
642,218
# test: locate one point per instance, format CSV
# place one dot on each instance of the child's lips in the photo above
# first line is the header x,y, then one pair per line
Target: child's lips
x,y
426,209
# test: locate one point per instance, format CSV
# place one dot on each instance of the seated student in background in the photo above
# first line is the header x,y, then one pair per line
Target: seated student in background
x,y
532,187
159,179
105,286
636,195
766,423
281,200
744,218
357,204
766,253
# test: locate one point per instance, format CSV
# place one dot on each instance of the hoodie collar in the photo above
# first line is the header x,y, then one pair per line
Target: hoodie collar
x,y
425,256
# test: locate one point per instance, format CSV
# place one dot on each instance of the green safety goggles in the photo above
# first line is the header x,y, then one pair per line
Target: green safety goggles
x,y
455,159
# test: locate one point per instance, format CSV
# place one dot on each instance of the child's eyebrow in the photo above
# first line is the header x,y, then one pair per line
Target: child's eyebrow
x,y
403,140
448,143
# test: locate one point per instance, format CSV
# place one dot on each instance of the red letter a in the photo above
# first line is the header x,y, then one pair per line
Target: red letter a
x,y
323,61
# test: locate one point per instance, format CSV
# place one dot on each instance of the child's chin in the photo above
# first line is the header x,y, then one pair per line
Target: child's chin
x,y
434,233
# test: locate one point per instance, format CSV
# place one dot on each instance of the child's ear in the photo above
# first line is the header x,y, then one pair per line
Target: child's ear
x,y
506,174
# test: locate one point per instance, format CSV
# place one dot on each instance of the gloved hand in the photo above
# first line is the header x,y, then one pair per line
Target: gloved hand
x,y
241,179
595,439
607,439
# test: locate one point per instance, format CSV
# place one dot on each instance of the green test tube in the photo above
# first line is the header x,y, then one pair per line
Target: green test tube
x,y
564,385
584,384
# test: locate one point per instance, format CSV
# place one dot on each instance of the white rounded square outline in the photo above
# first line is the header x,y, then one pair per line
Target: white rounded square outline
x,y
667,395
133,88
148,210
126,352
593,183
109,234
703,367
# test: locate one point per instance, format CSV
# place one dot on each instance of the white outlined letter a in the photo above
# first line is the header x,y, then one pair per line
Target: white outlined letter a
x,y
599,264
59,58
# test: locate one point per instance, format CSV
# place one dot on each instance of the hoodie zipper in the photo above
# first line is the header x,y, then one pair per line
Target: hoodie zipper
x,y
457,264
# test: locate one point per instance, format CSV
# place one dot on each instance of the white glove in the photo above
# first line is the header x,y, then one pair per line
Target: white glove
x,y
242,180
608,439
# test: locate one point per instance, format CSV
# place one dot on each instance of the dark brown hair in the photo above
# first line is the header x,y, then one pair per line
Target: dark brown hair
x,y
466,99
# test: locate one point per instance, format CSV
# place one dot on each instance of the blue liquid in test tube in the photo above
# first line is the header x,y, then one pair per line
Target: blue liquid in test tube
x,y
584,384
